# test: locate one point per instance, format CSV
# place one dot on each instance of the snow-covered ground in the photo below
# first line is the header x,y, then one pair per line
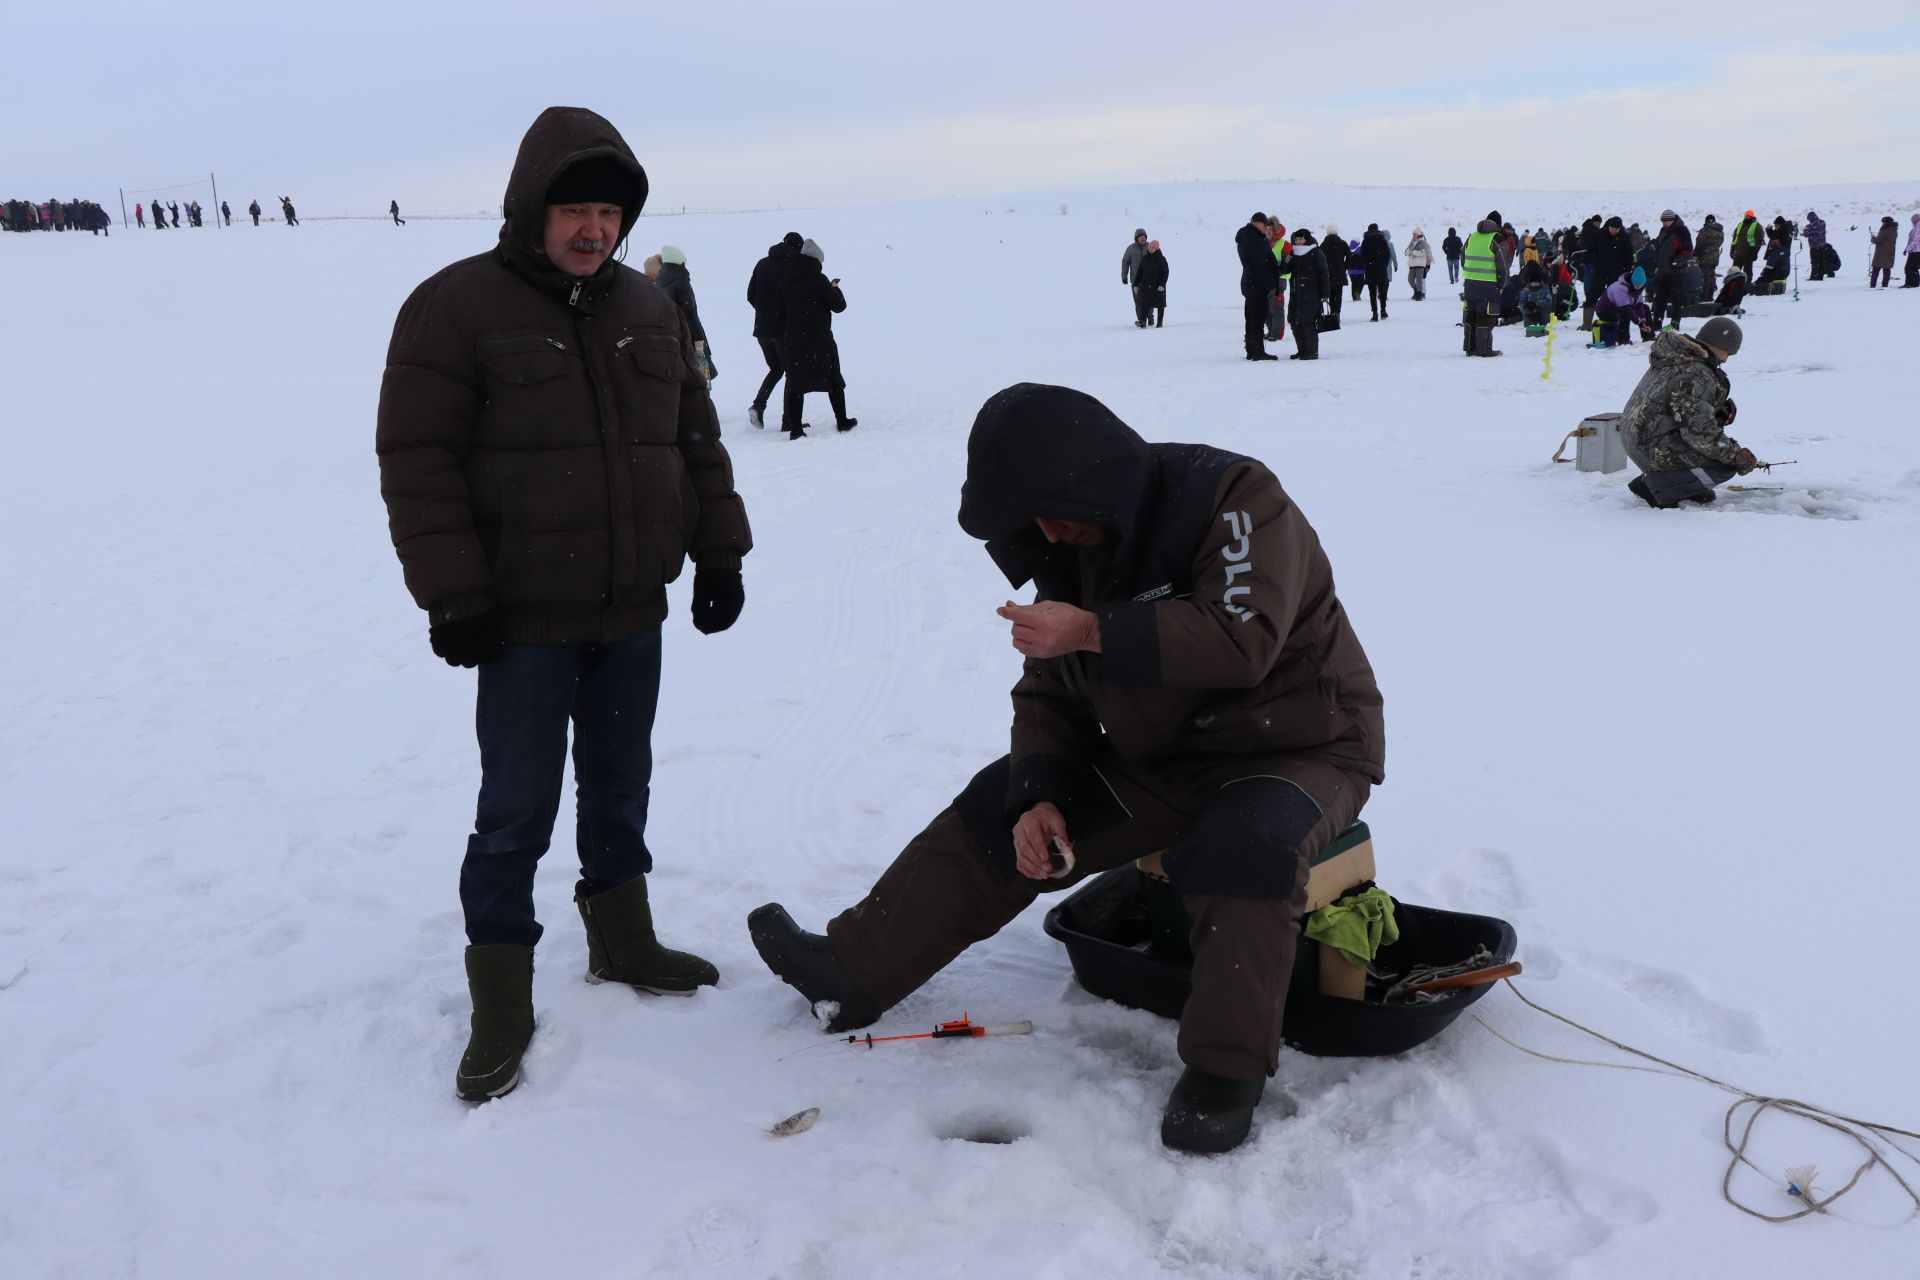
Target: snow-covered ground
x,y
1670,747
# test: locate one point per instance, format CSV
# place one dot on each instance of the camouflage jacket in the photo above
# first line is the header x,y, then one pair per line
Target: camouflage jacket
x,y
1673,418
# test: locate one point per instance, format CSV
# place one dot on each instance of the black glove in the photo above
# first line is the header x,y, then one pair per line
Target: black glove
x,y
1727,411
717,597
468,642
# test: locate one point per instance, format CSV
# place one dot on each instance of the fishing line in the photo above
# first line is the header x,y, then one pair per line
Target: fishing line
x,y
1799,1178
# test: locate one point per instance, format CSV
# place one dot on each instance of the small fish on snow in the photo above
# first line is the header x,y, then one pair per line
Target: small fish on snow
x,y
799,1122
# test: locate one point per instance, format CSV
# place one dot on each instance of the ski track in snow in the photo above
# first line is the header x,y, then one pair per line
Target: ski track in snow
x,y
230,982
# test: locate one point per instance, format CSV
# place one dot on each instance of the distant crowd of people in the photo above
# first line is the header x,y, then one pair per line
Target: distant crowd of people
x,y
57,215
1622,278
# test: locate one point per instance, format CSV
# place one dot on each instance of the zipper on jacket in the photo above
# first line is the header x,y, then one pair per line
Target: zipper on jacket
x,y
573,299
557,344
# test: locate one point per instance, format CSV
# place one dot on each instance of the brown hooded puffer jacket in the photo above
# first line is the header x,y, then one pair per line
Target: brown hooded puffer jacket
x,y
1221,634
547,446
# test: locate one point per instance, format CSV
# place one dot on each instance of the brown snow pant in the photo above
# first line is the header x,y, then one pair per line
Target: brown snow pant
x,y
1238,839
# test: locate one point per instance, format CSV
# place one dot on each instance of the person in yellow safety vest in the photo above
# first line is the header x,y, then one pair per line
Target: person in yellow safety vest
x,y
1485,264
1748,240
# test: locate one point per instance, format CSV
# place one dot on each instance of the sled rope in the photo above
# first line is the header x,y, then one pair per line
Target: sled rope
x,y
1578,433
1799,1179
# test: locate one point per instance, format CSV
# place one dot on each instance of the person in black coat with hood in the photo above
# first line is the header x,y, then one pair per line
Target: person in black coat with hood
x,y
763,295
1376,255
1452,248
1334,252
808,303
1259,277
1150,288
1310,286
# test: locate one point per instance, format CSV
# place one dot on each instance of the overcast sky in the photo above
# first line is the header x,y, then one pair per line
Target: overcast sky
x,y
345,104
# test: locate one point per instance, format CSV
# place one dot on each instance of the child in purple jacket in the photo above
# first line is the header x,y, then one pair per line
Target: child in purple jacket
x,y
1621,309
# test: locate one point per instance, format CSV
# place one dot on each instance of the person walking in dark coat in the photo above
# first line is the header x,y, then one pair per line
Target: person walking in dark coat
x,y
173,208
1376,255
1259,277
1130,264
287,214
674,279
1451,248
393,207
769,320
808,303
1334,252
253,207
1192,685
226,214
1150,288
550,460
1311,284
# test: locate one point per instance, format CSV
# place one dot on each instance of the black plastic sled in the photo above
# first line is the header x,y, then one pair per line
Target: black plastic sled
x,y
1124,935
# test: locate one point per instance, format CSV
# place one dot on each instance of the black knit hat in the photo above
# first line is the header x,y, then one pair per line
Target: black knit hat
x,y
601,179
793,239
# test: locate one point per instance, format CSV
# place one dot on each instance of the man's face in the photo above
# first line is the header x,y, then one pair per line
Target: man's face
x,y
1140,239
580,236
1075,533
1719,355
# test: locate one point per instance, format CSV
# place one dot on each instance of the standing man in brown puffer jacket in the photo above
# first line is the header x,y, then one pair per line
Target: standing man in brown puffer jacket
x,y
549,459
1192,685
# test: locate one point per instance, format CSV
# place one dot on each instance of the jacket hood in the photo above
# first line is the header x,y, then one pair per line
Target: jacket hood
x,y
1038,450
1672,348
1138,232
558,138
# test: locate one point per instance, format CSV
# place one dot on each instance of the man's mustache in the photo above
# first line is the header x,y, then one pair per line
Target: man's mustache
x,y
586,246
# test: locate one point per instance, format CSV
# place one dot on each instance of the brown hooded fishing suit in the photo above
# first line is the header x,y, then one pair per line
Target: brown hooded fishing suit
x,y
1231,718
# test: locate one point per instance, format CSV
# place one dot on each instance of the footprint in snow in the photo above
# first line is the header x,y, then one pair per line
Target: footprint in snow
x,y
1674,996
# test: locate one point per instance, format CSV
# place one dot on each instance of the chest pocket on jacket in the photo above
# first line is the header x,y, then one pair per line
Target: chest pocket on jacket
x,y
522,360
648,372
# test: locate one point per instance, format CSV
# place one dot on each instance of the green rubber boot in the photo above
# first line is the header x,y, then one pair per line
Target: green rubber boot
x,y
500,979
621,946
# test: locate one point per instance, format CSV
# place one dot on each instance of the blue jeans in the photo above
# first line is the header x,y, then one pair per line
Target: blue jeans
x,y
527,696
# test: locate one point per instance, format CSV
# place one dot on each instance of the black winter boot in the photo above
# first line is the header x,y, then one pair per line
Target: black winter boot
x,y
500,980
805,962
1209,1114
621,946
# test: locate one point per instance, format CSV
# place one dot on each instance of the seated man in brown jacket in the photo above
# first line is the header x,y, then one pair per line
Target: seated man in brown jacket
x,y
549,460
1191,685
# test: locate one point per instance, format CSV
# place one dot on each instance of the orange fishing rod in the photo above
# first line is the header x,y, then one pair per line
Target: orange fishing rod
x,y
961,1028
